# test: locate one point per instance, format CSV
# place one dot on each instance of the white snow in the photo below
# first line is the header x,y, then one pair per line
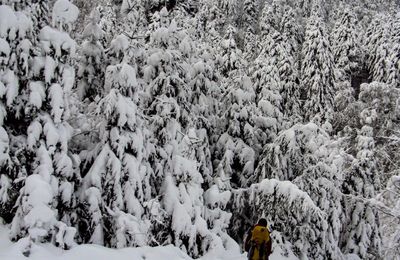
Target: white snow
x,y
52,38
8,20
4,48
37,94
13,24
12,251
93,30
57,102
64,12
119,44
25,24
12,84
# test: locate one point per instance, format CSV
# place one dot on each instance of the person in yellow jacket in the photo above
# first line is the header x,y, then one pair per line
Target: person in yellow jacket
x,y
258,241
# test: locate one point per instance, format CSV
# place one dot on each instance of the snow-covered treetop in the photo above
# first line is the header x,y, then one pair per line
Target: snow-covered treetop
x,y
56,40
118,46
93,31
13,24
4,51
293,150
65,14
123,78
121,90
243,92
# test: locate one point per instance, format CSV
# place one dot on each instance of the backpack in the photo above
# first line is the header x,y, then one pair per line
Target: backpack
x,y
259,239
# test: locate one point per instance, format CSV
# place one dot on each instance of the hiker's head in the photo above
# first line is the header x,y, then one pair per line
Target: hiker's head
x,y
262,222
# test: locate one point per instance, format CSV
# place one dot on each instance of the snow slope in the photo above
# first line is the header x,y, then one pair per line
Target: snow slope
x,y
12,251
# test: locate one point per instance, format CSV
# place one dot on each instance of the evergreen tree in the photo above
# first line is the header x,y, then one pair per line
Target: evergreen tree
x,y
288,73
317,71
292,32
117,184
377,46
284,58
268,86
275,200
46,206
250,15
210,19
16,53
361,234
204,106
133,17
346,48
267,20
303,155
250,43
236,152
379,109
109,22
230,9
230,58
91,72
390,197
177,217
273,13
394,71
347,56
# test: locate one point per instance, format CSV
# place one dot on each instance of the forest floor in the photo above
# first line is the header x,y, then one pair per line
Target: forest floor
x,y
12,251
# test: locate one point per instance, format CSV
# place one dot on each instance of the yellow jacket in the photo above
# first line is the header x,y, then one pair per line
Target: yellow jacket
x,y
260,243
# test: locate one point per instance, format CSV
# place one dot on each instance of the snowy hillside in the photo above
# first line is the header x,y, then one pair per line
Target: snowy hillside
x,y
154,128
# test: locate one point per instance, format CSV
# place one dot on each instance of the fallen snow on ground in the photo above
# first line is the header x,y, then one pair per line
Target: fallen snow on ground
x,y
12,251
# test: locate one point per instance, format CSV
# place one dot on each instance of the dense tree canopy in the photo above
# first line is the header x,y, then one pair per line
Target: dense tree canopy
x,y
128,123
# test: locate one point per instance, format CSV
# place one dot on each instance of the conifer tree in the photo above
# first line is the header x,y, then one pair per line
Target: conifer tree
x,y
204,106
133,17
377,45
117,184
50,188
16,53
210,20
276,200
230,8
268,86
317,71
305,6
177,217
250,15
267,22
292,32
361,234
346,48
288,73
379,109
284,59
231,57
303,154
390,197
394,71
275,13
347,56
235,152
91,73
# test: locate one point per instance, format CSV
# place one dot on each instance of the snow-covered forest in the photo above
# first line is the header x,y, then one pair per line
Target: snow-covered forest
x,y
133,123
